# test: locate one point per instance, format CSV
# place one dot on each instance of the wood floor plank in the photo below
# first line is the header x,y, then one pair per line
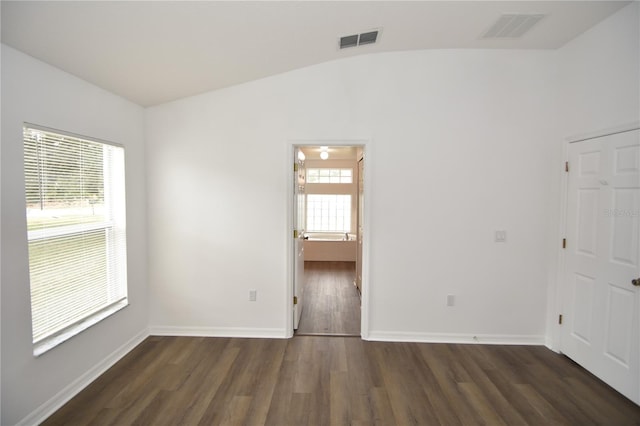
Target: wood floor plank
x,y
298,410
381,410
312,380
472,356
481,404
208,388
520,396
544,412
339,397
264,385
187,401
442,408
560,393
330,302
439,360
285,405
595,405
360,381
409,403
233,382
236,411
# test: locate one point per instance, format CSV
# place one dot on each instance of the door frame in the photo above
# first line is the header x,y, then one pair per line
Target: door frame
x,y
556,288
365,144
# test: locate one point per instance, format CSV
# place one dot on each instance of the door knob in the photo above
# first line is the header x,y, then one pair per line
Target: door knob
x,y
636,282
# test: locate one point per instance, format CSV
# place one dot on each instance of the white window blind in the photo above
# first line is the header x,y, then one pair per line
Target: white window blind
x,y
75,205
326,175
328,213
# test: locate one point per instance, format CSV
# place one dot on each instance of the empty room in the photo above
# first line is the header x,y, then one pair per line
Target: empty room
x,y
301,212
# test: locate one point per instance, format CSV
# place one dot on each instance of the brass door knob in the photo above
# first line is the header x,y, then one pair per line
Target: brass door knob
x,y
636,282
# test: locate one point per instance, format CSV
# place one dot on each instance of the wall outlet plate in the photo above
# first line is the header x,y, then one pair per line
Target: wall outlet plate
x,y
451,299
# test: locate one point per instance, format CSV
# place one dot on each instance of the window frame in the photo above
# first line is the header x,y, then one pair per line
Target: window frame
x,y
113,225
346,219
330,170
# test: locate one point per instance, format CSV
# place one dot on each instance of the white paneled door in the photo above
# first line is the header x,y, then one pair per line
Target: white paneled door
x,y
299,215
601,318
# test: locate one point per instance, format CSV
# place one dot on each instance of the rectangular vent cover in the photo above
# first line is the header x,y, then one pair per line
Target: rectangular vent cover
x,y
348,41
369,37
512,25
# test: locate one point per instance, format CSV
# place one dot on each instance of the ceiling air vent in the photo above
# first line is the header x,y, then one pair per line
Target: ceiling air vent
x,y
369,37
512,26
348,41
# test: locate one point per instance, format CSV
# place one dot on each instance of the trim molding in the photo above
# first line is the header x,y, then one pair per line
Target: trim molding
x,y
627,127
367,145
556,287
482,339
270,333
41,413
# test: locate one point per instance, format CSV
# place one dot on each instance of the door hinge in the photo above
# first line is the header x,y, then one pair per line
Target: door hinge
x,y
566,166
564,243
295,300
295,233
295,167
560,319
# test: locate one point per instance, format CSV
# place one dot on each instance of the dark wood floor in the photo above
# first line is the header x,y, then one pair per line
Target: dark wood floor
x,y
312,380
330,302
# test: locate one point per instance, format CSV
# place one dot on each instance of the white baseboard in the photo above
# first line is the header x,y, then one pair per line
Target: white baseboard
x,y
41,413
483,339
264,333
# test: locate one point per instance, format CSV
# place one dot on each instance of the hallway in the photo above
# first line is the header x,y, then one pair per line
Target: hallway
x,y
330,302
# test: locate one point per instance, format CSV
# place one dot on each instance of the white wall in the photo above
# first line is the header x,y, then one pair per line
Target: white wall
x,y
598,89
462,144
600,75
468,138
37,93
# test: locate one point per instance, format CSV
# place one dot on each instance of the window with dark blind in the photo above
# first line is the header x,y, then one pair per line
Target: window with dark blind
x,y
75,207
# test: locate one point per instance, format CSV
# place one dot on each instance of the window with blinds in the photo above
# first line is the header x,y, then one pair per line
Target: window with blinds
x,y
75,206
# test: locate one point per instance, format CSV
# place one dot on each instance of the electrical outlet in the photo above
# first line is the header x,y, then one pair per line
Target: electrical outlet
x,y
501,236
451,299
253,295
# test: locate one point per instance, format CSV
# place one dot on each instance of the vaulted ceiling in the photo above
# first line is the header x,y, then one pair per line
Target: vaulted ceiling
x,y
152,52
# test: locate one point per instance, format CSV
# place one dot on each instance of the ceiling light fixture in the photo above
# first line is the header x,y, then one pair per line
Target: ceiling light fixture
x,y
324,152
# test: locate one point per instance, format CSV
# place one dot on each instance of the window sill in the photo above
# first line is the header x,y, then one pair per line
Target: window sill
x,y
52,341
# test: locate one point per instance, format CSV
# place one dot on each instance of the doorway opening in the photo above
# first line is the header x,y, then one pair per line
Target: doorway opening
x,y
328,223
